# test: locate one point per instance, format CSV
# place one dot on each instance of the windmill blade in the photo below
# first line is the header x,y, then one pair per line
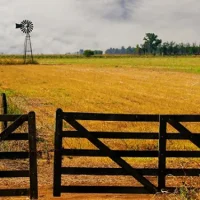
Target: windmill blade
x,y
23,22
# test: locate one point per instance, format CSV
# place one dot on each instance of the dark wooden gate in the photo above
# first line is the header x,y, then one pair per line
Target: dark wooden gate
x,y
124,168
9,133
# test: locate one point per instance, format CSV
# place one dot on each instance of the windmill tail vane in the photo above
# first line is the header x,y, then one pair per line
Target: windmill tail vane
x,y
18,25
26,27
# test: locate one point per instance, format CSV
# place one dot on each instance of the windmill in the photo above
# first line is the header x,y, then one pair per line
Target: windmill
x,y
26,27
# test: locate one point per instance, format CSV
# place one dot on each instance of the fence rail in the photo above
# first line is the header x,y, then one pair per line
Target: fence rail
x,y
7,135
124,168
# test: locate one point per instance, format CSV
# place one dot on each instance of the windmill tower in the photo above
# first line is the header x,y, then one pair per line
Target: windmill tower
x,y
26,27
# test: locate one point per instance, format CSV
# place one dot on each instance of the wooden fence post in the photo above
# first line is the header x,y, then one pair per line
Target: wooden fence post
x,y
162,153
32,156
4,109
57,154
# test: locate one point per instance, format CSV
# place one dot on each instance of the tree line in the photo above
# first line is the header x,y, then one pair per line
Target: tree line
x,y
154,46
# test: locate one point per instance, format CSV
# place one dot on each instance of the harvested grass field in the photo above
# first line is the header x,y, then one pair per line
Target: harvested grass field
x,y
108,85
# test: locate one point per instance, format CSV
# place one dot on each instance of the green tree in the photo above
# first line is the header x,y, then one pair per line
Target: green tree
x,y
138,49
151,43
88,53
171,48
98,52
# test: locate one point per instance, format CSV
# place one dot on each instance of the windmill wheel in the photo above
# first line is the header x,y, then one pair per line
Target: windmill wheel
x,y
26,26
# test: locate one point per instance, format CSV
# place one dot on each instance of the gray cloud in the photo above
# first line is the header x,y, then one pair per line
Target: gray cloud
x,y
123,11
62,26
111,10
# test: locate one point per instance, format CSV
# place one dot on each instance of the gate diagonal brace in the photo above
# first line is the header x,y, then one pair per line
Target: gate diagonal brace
x,y
179,127
101,146
8,131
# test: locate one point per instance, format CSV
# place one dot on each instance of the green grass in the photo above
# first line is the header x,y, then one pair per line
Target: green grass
x,y
178,63
15,61
12,108
185,64
8,92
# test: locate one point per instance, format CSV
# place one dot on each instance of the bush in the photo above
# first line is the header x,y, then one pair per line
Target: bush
x,y
16,61
88,53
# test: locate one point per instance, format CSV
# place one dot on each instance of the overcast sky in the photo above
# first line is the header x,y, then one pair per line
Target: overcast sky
x,y
62,26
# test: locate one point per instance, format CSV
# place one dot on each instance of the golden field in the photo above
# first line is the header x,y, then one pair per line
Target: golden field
x,y
105,85
135,86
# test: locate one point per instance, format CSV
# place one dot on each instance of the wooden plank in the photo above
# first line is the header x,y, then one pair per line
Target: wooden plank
x,y
99,153
183,172
120,172
4,109
104,171
32,156
115,189
105,189
128,135
57,154
5,105
1,113
162,153
183,154
16,173
17,136
113,135
130,117
101,146
124,153
14,155
9,118
178,136
182,118
111,117
18,122
14,192
184,131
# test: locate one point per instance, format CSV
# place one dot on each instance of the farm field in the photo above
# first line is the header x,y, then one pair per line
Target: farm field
x,y
104,85
183,63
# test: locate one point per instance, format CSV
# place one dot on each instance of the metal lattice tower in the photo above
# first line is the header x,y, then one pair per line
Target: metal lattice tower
x,y
26,27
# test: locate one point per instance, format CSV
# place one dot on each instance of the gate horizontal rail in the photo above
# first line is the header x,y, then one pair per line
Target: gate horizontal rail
x,y
126,153
119,171
128,135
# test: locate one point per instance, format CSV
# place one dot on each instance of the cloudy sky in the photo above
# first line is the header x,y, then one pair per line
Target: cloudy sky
x,y
62,26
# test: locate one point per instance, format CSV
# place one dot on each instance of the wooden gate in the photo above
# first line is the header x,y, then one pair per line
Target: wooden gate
x,y
124,168
9,133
